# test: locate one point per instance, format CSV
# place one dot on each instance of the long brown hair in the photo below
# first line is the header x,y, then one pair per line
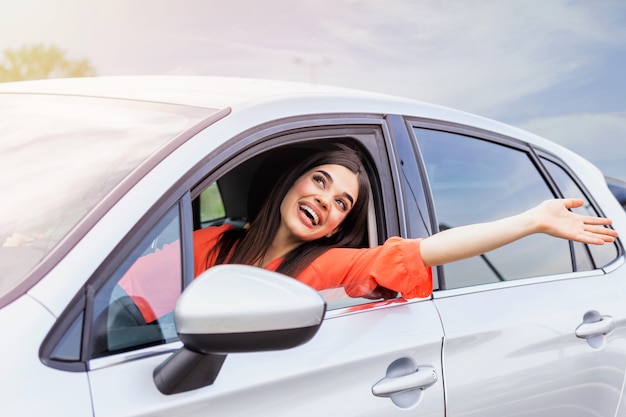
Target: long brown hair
x,y
249,246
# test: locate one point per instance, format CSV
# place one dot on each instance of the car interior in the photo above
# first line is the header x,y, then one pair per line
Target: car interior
x,y
243,189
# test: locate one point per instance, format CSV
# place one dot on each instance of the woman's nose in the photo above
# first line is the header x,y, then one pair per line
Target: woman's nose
x,y
322,202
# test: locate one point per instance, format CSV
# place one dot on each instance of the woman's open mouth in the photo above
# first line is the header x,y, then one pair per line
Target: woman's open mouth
x,y
308,211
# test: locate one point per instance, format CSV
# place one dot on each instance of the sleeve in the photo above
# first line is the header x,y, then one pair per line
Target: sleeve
x,y
396,265
203,241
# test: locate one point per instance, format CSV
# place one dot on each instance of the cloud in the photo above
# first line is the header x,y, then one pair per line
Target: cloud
x,y
482,55
478,56
475,55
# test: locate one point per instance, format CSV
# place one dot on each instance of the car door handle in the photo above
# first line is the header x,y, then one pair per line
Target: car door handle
x,y
422,378
601,327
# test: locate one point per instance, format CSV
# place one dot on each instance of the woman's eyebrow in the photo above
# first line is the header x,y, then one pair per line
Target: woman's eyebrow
x,y
326,174
329,178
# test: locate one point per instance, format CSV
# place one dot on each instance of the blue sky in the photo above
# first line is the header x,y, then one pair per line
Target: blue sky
x,y
552,67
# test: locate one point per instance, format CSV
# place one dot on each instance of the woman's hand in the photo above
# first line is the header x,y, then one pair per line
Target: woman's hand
x,y
555,219
551,217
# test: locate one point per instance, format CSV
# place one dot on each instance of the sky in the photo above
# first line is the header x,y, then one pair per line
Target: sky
x,y
553,67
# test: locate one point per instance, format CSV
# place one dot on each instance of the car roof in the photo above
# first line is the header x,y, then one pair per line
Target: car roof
x,y
231,92
273,98
199,91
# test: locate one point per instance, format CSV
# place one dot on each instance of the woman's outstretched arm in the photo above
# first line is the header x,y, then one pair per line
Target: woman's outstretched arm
x,y
551,217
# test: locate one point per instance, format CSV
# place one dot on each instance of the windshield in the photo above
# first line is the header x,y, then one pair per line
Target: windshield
x,y
60,156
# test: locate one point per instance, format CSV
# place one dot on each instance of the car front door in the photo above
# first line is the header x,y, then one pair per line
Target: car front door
x,y
532,329
369,357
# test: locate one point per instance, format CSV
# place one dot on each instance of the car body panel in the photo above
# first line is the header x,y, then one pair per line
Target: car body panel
x,y
264,100
27,385
333,374
519,345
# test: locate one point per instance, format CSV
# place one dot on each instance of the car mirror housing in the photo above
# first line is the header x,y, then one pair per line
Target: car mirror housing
x,y
233,309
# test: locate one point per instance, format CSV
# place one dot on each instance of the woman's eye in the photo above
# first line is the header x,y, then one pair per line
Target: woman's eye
x,y
342,204
319,179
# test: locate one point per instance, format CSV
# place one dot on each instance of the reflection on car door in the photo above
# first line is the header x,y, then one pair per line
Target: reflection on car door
x,y
514,351
333,374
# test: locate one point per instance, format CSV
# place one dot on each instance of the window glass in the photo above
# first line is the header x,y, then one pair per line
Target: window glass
x,y
602,255
68,348
211,204
135,306
475,181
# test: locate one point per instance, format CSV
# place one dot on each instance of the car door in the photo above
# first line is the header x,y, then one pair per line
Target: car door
x,y
535,328
369,358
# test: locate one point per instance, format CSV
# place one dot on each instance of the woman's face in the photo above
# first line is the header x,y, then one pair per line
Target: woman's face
x,y
318,202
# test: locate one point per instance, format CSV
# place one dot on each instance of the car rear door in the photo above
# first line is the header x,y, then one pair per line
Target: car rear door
x,y
535,328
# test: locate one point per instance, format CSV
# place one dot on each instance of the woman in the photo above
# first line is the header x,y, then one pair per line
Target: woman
x,y
312,222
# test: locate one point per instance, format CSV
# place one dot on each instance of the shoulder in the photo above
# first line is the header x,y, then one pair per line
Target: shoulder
x,y
210,233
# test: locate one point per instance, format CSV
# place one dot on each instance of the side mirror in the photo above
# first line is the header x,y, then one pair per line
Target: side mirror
x,y
232,309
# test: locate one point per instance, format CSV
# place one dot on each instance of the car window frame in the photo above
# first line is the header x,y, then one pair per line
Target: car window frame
x,y
214,164
548,156
371,134
534,152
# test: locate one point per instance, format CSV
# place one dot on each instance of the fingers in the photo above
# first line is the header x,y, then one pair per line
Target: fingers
x,y
573,202
600,234
595,239
601,230
598,220
595,230
596,226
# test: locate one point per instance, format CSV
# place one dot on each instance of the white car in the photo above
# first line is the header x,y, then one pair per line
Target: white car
x,y
98,172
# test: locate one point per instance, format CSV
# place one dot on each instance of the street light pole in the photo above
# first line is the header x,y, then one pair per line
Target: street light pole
x,y
312,66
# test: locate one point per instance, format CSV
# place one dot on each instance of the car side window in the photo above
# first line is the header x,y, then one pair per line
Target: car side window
x,y
134,308
474,181
600,255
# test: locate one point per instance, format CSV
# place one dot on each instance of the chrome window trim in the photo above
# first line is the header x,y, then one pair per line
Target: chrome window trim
x,y
374,305
515,283
107,361
615,265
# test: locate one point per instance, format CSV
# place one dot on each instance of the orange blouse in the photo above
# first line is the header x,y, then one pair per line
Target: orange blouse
x,y
396,265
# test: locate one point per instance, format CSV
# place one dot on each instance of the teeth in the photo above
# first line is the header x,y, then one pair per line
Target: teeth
x,y
310,213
